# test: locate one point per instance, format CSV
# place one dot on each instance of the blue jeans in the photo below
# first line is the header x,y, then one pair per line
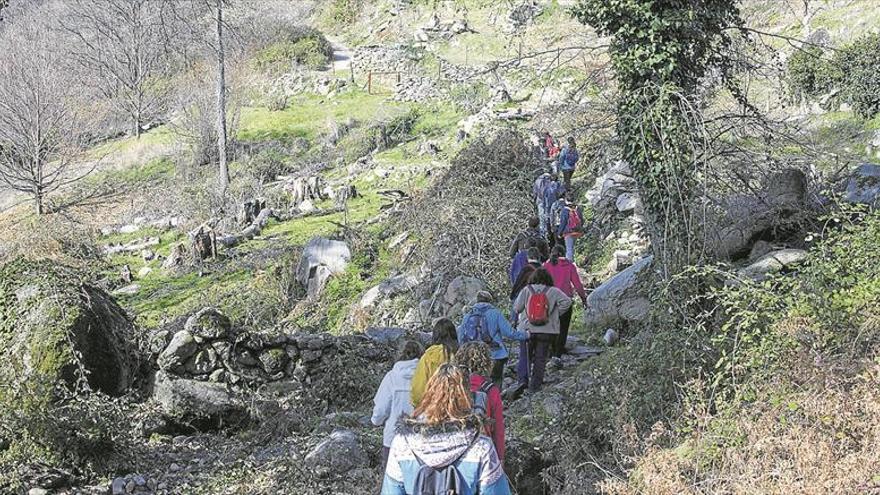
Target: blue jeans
x,y
569,247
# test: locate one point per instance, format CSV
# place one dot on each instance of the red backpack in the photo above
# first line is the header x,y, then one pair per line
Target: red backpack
x,y
538,307
575,223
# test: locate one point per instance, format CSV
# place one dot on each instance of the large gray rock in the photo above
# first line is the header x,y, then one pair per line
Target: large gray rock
x,y
321,259
620,298
385,335
201,405
182,347
773,262
460,293
208,323
863,185
339,453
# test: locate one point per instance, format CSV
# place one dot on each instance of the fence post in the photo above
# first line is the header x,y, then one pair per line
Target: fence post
x,y
370,82
351,70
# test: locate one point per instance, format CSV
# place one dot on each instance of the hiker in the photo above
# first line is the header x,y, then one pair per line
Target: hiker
x,y
523,259
392,399
538,189
474,357
443,443
568,158
522,365
445,343
539,305
484,323
567,279
552,191
531,237
571,226
550,145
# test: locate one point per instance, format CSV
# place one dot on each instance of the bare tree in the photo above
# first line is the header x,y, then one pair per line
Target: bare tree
x,y
42,130
220,51
121,44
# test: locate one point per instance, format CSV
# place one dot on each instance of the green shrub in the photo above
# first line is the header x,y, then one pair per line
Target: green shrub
x,y
469,98
307,47
343,12
810,74
363,139
859,62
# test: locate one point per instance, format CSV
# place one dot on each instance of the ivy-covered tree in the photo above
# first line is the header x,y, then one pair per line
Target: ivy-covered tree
x,y
661,52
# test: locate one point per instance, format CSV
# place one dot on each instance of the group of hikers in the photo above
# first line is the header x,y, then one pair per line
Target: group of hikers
x,y
442,407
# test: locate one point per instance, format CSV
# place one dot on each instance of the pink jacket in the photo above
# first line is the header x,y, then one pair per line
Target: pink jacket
x,y
495,411
566,277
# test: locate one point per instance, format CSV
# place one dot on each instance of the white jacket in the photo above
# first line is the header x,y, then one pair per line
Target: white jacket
x,y
392,398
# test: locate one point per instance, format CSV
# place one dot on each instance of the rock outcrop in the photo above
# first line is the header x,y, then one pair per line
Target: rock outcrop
x,y
321,259
619,299
337,454
863,186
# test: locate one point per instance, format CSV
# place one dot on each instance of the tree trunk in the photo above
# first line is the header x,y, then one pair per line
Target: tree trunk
x,y
38,200
137,121
221,102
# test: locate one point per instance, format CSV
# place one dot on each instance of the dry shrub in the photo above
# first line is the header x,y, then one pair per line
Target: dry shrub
x,y
468,218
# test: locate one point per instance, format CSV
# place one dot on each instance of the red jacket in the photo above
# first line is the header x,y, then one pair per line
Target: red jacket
x,y
495,411
566,277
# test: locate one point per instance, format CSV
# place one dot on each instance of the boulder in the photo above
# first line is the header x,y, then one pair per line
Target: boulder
x,y
208,323
179,350
55,330
321,259
461,292
198,404
628,202
619,297
338,454
863,186
773,262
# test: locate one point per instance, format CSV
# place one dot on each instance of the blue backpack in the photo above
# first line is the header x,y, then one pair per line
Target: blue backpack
x,y
441,480
475,328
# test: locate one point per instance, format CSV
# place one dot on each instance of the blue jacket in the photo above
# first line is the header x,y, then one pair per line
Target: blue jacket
x,y
568,158
517,264
477,462
541,183
497,326
551,193
563,229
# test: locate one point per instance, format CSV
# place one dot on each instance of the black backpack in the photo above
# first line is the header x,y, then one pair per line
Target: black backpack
x,y
441,480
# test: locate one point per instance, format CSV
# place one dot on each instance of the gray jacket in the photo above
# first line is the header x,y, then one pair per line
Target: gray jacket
x,y
559,303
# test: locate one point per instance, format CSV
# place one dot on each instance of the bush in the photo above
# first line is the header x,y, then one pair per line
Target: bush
x,y
343,12
469,98
859,62
852,71
364,139
307,47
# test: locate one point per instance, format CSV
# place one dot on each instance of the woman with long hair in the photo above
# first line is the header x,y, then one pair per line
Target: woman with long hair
x,y
445,338
445,435
567,279
474,357
539,305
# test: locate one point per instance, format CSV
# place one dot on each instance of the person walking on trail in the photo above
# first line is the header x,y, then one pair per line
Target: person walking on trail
x,y
445,343
567,279
392,399
568,158
551,193
571,226
529,238
485,323
538,189
443,446
550,145
522,365
474,357
540,305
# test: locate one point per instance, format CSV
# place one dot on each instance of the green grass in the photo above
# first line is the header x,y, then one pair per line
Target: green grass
x,y
160,135
308,116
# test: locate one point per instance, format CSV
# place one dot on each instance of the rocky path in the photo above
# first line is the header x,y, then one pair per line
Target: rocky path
x,y
341,60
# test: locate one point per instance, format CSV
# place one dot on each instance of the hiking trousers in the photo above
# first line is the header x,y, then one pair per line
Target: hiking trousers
x,y
566,178
539,348
522,366
498,371
569,247
559,342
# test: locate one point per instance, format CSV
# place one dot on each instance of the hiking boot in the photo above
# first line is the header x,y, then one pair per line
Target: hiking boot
x,y
556,363
515,392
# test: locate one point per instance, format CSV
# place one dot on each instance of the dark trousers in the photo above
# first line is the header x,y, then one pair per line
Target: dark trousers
x,y
386,451
498,371
522,366
566,178
539,350
559,342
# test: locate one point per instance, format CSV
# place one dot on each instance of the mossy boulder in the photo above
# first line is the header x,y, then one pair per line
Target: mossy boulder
x,y
57,333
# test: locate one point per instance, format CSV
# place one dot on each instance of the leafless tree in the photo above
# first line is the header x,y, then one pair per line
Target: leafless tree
x,y
42,126
220,51
122,46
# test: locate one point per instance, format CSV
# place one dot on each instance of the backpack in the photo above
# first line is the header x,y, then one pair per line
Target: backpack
x,y
481,398
538,307
441,480
574,221
475,328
